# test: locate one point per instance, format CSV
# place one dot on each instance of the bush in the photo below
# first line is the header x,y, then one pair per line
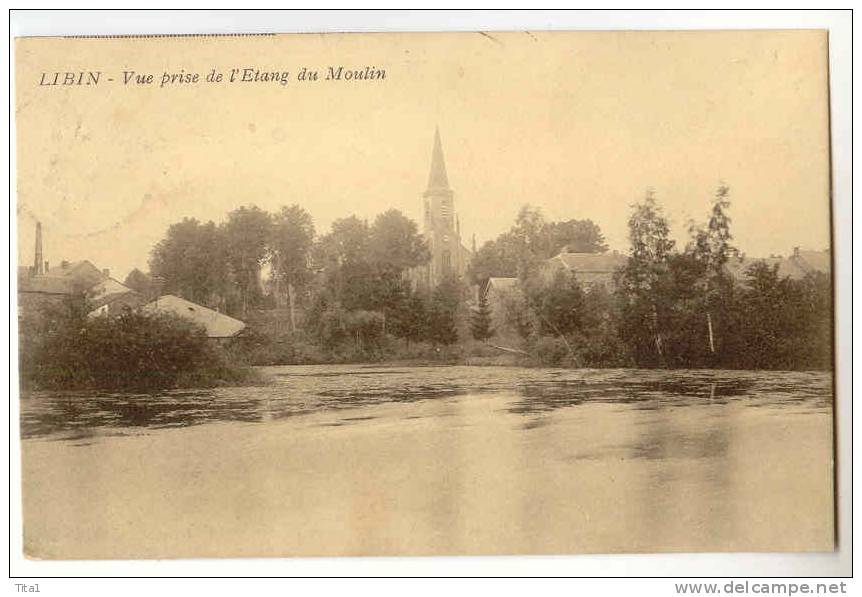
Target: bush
x,y
552,352
65,349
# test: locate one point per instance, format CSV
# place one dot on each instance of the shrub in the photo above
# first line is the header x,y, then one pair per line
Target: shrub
x,y
63,348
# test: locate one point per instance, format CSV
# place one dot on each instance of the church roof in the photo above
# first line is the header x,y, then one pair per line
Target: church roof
x,y
437,178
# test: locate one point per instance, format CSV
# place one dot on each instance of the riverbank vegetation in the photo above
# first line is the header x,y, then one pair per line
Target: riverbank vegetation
x,y
61,347
351,295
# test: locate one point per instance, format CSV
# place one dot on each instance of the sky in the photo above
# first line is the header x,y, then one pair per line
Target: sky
x,y
578,124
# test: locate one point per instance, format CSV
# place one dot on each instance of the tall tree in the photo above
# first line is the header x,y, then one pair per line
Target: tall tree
x,y
192,261
640,281
292,238
247,234
711,248
529,234
574,236
396,244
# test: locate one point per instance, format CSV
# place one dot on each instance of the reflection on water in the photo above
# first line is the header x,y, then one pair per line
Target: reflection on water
x,y
354,460
300,390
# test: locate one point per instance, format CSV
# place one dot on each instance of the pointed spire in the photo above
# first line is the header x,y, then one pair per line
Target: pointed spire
x,y
437,179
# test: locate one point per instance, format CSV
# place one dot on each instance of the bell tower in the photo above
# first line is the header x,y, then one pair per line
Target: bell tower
x,y
439,223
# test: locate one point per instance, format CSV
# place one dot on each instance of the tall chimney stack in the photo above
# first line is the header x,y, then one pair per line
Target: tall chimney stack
x,y
38,264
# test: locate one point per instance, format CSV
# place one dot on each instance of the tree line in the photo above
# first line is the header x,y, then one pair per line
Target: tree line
x,y
669,306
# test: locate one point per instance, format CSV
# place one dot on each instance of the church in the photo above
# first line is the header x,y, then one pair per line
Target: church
x,y
440,226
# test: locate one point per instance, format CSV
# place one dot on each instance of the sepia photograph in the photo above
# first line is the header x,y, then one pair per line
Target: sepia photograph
x,y
424,294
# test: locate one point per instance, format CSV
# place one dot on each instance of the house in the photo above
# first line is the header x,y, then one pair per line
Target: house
x,y
218,326
796,267
110,297
78,278
590,269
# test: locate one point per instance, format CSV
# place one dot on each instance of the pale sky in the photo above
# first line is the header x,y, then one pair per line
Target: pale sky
x,y
578,124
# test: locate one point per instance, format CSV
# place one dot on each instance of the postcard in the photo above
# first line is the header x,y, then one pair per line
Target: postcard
x,y
409,294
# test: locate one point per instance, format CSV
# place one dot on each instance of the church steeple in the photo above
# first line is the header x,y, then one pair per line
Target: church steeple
x,y
437,178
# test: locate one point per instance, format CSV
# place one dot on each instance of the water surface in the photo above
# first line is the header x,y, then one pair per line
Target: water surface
x,y
368,460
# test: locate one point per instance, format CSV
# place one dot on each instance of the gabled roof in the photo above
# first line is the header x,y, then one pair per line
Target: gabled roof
x,y
787,268
109,290
501,284
217,325
74,269
78,276
591,262
814,261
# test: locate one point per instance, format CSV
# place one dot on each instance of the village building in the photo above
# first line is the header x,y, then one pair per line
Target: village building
x,y
41,285
440,226
797,266
592,270
218,326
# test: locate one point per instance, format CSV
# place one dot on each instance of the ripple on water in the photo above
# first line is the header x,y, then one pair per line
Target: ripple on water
x,y
302,390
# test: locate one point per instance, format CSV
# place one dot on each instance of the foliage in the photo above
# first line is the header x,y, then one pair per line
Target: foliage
x,y
531,240
247,233
443,313
192,262
480,322
290,244
62,347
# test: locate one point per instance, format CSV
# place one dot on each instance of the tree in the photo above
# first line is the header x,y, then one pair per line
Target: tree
x,y
347,244
396,244
645,308
529,240
559,305
575,236
495,259
443,313
710,247
247,234
480,322
291,243
141,283
518,252
192,261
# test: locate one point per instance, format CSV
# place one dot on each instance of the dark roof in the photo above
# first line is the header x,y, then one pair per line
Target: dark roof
x,y
63,279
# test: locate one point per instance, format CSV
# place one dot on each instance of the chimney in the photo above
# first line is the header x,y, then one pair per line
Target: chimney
x,y
46,266
64,264
37,258
796,251
106,273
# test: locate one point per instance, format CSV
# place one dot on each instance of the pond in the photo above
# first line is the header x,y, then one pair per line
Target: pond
x,y
374,460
